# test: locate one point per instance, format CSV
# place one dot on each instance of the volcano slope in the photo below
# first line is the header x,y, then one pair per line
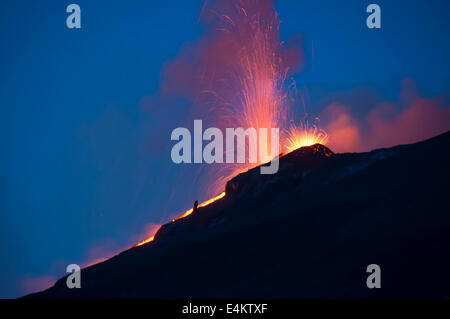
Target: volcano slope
x,y
309,231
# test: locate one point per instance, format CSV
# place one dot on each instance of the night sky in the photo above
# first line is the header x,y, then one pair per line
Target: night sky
x,y
85,134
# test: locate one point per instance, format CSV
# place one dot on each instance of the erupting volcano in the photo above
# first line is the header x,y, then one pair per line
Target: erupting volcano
x,y
352,189
239,80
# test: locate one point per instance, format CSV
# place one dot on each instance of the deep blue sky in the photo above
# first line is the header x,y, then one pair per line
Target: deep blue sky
x,y
84,166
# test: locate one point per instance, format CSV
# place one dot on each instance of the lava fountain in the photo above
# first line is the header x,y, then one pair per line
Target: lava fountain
x,y
304,135
243,76
237,78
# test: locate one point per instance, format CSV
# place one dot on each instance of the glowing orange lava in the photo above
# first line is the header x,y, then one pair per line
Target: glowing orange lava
x,y
206,203
145,241
304,135
187,213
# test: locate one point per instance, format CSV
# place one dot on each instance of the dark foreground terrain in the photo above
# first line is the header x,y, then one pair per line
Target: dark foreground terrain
x,y
309,231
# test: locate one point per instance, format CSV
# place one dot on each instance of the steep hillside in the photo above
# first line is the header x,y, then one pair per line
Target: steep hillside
x,y
309,231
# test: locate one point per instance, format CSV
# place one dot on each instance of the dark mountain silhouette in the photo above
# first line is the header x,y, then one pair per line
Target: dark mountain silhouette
x,y
309,231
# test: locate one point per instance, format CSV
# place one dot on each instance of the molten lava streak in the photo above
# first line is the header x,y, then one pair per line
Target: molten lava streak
x,y
205,203
145,241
